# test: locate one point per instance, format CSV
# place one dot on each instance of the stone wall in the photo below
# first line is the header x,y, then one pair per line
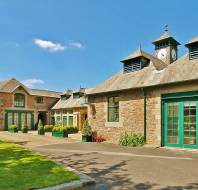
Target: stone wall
x,y
132,111
131,114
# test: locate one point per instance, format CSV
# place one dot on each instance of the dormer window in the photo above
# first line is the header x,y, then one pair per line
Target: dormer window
x,y
19,100
39,100
135,64
193,52
63,97
192,45
78,94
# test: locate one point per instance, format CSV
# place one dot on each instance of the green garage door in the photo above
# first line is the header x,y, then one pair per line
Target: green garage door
x,y
180,121
18,117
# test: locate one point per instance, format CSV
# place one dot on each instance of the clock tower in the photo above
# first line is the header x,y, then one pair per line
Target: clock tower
x,y
166,48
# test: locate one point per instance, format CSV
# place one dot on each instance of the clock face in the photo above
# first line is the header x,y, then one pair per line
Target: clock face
x,y
162,54
173,54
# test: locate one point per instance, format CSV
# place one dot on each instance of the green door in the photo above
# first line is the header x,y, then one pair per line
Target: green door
x,y
180,121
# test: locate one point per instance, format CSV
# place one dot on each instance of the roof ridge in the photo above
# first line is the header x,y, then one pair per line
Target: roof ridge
x,y
44,90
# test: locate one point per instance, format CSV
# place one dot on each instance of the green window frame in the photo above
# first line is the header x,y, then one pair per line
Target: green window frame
x,y
19,100
39,100
113,109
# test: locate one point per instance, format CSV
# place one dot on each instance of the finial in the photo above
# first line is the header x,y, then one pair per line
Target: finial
x,y
140,47
166,28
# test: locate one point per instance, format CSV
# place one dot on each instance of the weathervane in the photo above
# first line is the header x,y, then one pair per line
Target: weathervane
x,y
166,28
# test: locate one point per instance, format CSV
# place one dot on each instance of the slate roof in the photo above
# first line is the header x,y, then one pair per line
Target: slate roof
x,y
165,36
194,40
9,86
72,102
181,70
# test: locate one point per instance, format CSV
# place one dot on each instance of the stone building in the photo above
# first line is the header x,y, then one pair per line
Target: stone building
x,y
155,95
71,109
20,104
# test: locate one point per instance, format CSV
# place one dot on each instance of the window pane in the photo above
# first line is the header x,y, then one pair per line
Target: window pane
x,y
189,123
172,125
113,109
70,120
19,100
65,120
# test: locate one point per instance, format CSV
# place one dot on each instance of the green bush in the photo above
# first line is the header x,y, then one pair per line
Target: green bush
x,y
132,139
72,129
40,124
48,128
86,130
24,128
65,129
41,130
12,127
56,128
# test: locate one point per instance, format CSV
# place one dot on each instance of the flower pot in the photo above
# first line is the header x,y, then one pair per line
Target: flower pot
x,y
24,130
59,134
41,132
15,130
86,138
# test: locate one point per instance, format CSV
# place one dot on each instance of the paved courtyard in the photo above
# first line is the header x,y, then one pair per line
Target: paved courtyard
x,y
115,167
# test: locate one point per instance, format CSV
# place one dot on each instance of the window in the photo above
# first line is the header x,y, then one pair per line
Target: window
x,y
193,52
136,64
76,95
39,100
63,97
113,109
130,67
65,120
58,119
70,120
19,100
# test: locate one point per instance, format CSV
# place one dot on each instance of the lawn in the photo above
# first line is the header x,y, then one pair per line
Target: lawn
x,y
21,169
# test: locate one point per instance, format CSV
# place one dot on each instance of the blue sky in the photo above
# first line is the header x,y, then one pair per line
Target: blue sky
x,y
67,43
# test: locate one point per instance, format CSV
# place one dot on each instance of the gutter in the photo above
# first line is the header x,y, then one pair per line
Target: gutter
x,y
145,111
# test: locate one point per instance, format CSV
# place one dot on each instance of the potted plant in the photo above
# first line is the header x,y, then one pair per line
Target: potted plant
x,y
48,128
24,128
86,132
41,130
59,131
13,129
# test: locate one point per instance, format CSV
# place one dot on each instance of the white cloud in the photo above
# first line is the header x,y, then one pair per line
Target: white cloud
x,y
49,45
31,82
76,45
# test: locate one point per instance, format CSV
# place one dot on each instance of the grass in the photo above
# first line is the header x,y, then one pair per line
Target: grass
x,y
21,169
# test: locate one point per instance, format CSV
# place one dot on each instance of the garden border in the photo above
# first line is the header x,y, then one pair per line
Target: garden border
x,y
76,184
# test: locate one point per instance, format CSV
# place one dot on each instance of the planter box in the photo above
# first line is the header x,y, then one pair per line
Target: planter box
x,y
13,130
41,132
24,130
59,134
86,138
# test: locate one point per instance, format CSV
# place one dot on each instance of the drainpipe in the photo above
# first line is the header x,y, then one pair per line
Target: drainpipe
x,y
145,129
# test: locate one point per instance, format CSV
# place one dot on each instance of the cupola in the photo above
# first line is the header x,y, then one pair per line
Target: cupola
x,y
192,46
166,48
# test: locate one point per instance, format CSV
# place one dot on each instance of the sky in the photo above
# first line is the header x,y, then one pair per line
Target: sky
x,y
65,44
